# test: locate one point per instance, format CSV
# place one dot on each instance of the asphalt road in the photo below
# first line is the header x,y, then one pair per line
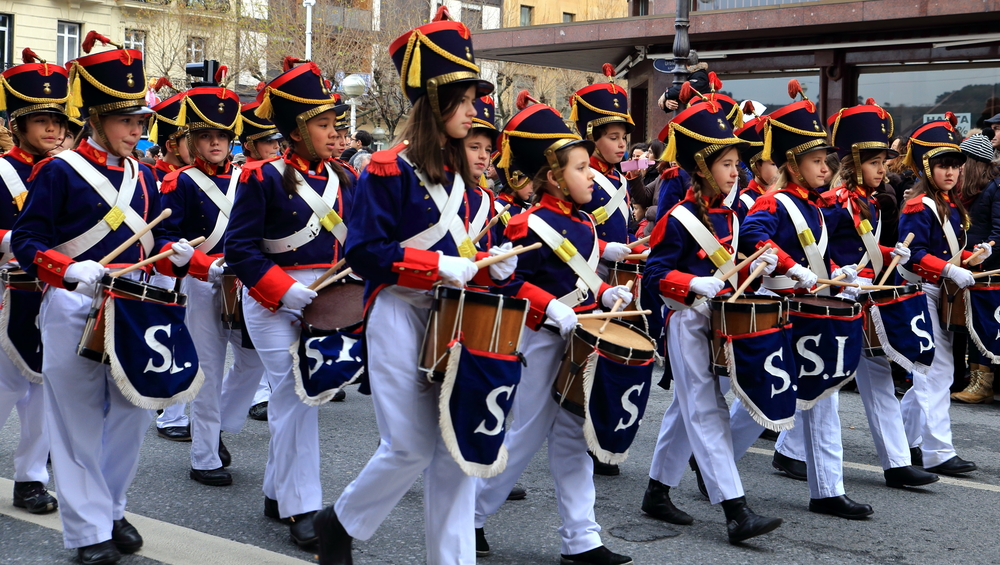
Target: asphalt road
x,y
952,521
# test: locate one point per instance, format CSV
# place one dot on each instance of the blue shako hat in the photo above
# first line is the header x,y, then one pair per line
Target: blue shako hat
x,y
599,104
793,130
864,127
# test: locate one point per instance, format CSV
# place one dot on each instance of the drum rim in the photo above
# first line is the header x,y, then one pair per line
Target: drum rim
x,y
152,291
614,348
769,304
850,308
632,267
899,291
485,298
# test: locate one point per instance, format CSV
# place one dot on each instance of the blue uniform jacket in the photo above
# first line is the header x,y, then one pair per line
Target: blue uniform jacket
x,y
929,251
615,228
10,208
674,183
846,247
516,207
754,191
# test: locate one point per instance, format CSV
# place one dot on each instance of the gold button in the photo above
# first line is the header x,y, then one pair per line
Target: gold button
x,y
564,232
50,266
58,270
426,196
289,196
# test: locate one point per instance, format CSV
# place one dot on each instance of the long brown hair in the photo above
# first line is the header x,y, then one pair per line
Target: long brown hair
x,y
925,186
976,175
848,176
289,182
699,185
423,132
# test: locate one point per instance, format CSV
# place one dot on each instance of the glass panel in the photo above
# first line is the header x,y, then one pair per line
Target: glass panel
x,y
4,38
526,15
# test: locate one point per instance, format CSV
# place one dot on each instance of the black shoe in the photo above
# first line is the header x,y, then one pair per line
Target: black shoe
x,y
697,473
33,497
909,476
840,506
125,537
954,467
769,435
303,533
482,546
656,502
604,469
916,456
597,556
741,522
271,511
213,477
259,412
792,467
517,493
339,396
99,553
334,541
224,455
175,433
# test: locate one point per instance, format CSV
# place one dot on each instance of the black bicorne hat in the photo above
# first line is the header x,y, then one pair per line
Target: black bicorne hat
x,y
532,137
599,104
794,129
111,82
254,128
933,139
213,107
296,96
35,86
696,134
862,128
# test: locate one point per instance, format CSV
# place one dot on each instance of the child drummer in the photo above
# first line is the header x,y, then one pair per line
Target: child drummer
x,y
479,146
64,229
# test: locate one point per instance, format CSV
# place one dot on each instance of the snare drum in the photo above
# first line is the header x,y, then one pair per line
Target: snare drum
x,y
232,300
621,273
20,280
748,314
873,343
951,305
336,306
489,323
620,342
92,342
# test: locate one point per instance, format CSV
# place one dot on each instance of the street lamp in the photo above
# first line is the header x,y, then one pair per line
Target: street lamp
x,y
353,86
682,46
308,4
379,135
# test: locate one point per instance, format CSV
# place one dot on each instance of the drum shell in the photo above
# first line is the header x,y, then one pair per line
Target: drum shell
x,y
336,306
872,343
232,301
745,315
21,281
951,306
621,273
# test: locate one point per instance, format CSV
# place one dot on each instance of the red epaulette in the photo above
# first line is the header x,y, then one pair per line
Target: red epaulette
x,y
348,167
517,227
384,162
830,198
255,168
670,173
659,231
914,204
765,202
169,183
38,166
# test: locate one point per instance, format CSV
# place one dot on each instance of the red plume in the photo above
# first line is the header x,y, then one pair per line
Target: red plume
x,y
523,98
92,36
714,82
951,117
29,56
687,92
288,63
220,75
748,108
870,102
161,82
260,86
795,89
442,14
608,70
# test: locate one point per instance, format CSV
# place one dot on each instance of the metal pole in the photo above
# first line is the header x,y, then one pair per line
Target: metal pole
x,y
682,45
354,119
308,4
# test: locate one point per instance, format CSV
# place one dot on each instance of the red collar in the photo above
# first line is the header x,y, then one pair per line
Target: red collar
x,y
801,192
599,164
21,155
508,198
301,165
93,153
754,186
164,166
210,169
557,205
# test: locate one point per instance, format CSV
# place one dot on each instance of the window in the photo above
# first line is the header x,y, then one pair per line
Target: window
x,y
6,36
67,42
196,49
135,39
527,15
472,17
568,17
640,7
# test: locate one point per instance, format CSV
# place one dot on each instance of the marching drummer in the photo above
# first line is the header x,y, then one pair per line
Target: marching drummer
x,y
201,197
691,247
764,172
553,280
410,230
66,226
861,135
938,222
479,145
288,227
36,95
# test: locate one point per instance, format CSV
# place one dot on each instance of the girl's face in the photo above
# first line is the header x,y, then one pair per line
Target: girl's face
x,y
638,212
340,142
873,170
322,133
945,178
813,169
459,122
478,149
577,176
525,193
767,172
123,132
42,132
637,153
266,149
611,146
726,170
212,145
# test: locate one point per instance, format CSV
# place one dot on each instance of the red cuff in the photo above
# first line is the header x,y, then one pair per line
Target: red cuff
x,y
886,257
638,249
271,287
418,269
966,254
601,244
482,277
676,286
785,260
51,266
166,267
600,292
199,265
929,267
538,300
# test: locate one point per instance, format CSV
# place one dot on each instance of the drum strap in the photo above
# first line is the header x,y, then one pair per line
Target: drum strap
x,y
869,238
449,221
585,269
747,200
814,250
717,253
323,214
14,183
497,207
617,201
482,215
119,200
223,201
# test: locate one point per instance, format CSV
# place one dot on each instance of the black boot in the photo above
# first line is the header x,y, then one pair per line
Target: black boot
x,y
32,496
791,467
597,556
125,537
482,546
334,541
102,553
303,530
742,524
224,455
954,467
697,473
604,469
917,456
840,506
656,502
909,476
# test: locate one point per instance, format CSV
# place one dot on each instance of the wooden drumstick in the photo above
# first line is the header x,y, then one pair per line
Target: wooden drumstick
x,y
895,260
220,260
319,280
834,282
154,258
639,242
876,287
622,314
841,276
975,254
135,237
497,258
985,274
334,278
739,266
618,304
756,273
489,226
635,257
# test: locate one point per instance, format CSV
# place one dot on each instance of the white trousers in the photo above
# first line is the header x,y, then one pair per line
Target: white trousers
x,y
263,392
292,473
203,318
95,433
537,417
236,398
926,405
174,415
885,418
32,452
406,409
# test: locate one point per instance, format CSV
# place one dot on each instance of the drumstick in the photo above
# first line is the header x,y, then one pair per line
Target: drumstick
x,y
756,273
895,260
154,258
135,237
622,314
834,282
739,267
490,225
497,258
985,274
975,254
334,278
319,280
635,257
841,276
639,242
220,260
877,287
618,304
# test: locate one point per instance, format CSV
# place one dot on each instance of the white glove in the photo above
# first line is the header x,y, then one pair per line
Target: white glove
x,y
215,272
562,316
804,278
850,292
5,244
182,253
850,273
770,258
298,296
615,252
84,272
612,295
958,275
986,247
502,270
456,270
903,252
706,286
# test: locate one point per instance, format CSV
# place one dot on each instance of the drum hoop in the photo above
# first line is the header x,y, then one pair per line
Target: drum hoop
x,y
627,267
143,290
849,309
607,346
483,298
749,304
16,282
890,293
